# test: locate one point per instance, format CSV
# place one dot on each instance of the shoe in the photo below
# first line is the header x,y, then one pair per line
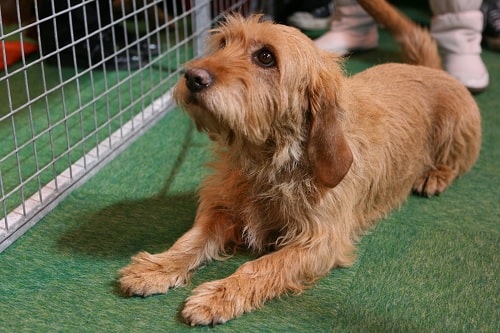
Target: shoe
x,y
352,29
468,69
491,31
314,15
120,57
458,35
83,57
144,48
125,60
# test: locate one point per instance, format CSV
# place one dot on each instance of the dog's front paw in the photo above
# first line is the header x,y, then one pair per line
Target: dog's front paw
x,y
214,303
149,274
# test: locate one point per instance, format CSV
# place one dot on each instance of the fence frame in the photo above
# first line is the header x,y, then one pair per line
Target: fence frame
x,y
32,209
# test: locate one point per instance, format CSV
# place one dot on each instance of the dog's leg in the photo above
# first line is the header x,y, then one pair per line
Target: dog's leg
x,y
289,269
456,144
149,274
434,181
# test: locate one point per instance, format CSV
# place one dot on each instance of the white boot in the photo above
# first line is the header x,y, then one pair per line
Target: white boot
x,y
352,29
457,28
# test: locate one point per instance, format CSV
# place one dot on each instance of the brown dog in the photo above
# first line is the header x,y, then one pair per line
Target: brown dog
x,y
307,159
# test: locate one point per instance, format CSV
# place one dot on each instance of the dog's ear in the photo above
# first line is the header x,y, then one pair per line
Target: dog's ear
x,y
327,149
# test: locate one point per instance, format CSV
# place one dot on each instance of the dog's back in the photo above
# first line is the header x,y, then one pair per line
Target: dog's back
x,y
411,99
403,91
423,115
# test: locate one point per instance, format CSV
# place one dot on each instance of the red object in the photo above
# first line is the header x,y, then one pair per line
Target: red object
x,y
13,51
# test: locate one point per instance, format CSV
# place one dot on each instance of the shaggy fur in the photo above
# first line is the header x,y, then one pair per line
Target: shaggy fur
x,y
307,159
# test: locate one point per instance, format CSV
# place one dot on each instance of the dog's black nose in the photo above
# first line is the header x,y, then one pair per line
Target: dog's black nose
x,y
198,79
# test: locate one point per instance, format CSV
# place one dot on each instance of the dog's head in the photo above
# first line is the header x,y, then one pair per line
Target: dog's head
x,y
264,83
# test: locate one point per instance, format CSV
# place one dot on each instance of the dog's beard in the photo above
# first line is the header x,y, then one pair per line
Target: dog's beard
x,y
226,116
206,121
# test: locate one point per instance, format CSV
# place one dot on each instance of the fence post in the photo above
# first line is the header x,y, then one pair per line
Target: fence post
x,y
201,24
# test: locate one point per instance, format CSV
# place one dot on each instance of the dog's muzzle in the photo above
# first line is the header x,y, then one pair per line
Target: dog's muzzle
x,y
198,79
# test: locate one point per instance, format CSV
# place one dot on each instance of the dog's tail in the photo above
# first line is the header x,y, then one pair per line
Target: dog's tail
x,y
419,48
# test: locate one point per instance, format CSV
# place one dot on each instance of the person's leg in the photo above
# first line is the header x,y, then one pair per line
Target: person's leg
x,y
491,31
314,15
351,29
457,27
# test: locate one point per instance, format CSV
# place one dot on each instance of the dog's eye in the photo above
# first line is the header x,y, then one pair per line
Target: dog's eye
x,y
265,58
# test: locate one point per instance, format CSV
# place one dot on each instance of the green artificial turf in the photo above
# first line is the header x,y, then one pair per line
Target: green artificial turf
x,y
432,266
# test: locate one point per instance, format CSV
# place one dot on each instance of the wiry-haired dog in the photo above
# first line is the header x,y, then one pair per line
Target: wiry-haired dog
x,y
307,159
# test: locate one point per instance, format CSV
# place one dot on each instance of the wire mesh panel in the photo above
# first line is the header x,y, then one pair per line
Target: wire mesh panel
x,y
79,80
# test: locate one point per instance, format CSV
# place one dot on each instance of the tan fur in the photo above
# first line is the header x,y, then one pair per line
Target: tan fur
x,y
307,159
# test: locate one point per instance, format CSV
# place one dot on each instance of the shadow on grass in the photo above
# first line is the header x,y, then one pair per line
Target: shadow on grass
x,y
122,229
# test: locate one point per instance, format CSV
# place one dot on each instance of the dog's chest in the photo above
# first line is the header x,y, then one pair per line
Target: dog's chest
x,y
270,212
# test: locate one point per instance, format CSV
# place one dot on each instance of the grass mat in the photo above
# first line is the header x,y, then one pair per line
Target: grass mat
x,y
430,267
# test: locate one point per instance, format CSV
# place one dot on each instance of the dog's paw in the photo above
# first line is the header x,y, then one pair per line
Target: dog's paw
x,y
149,274
214,303
434,181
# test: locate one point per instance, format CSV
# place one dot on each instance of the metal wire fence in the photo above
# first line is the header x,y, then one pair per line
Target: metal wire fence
x,y
79,81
